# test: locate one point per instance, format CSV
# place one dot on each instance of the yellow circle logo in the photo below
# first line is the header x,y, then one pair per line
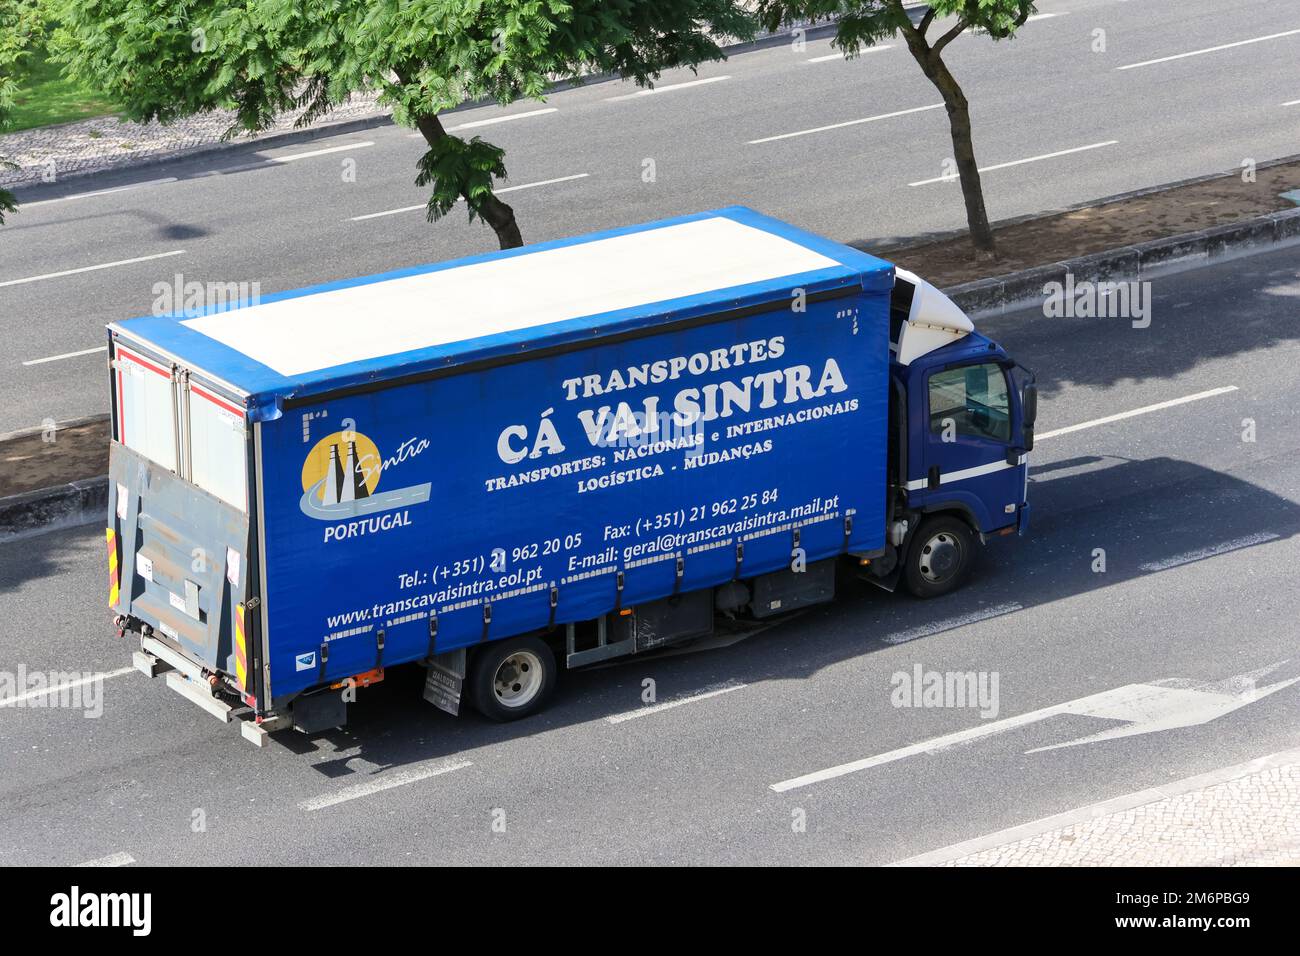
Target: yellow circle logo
x,y
343,466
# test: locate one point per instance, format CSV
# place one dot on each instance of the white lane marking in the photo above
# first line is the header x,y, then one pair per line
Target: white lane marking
x,y
1139,708
668,89
952,623
508,189
1292,103
319,152
868,119
1236,544
498,119
102,265
116,859
100,192
1020,162
66,355
926,746
386,781
56,689
1145,409
840,56
1045,16
1210,49
725,688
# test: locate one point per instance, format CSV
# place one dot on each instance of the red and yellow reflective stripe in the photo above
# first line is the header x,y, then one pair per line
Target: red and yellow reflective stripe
x,y
114,581
241,649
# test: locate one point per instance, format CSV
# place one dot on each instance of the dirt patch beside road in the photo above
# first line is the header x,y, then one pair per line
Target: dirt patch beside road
x,y
1109,225
30,460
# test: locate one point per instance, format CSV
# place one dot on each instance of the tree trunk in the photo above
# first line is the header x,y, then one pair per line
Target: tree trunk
x,y
495,213
954,100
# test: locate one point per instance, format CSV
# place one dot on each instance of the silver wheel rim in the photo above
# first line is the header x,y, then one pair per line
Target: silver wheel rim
x,y
941,557
518,679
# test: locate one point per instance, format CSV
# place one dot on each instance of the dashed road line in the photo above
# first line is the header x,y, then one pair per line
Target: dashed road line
x,y
841,56
115,859
856,122
1019,162
715,691
498,192
1236,544
319,152
100,192
66,355
952,623
1145,409
1209,49
386,781
102,265
66,685
671,88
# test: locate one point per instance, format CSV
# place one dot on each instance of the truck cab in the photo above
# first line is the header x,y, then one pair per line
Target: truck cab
x,y
963,424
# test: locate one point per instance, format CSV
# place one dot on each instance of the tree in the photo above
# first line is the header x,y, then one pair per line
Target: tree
x,y
21,23
166,59
863,23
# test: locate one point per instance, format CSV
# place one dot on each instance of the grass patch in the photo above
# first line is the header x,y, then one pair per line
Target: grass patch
x,y
45,98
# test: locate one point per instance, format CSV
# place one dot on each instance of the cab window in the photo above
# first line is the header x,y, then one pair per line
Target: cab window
x,y
971,400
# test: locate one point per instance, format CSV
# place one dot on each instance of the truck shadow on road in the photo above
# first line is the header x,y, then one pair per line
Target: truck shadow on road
x,y
1148,517
1195,318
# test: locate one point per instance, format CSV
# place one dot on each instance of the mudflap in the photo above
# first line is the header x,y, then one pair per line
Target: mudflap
x,y
444,680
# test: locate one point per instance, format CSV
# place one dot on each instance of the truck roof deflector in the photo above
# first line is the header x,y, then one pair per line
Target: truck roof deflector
x,y
933,321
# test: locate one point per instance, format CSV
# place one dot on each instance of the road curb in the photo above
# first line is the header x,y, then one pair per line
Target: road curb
x,y
1128,801
48,509
892,248
987,298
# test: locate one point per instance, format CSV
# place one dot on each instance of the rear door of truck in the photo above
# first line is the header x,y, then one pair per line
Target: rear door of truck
x,y
178,533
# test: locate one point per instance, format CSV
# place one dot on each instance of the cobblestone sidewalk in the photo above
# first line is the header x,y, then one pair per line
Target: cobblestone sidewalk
x,y
107,143
1248,815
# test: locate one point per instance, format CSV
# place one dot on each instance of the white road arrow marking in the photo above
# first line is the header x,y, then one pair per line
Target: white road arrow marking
x,y
1144,708
1167,705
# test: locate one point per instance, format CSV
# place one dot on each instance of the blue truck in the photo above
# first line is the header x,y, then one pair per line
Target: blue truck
x,y
543,457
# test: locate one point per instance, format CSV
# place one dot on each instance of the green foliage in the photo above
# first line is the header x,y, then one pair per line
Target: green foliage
x,y
164,59
863,23
456,168
21,21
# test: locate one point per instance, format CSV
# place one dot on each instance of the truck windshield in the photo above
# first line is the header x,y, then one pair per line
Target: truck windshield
x,y
218,447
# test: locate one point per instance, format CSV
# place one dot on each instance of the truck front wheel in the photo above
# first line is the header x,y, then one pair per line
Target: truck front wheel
x,y
512,679
939,557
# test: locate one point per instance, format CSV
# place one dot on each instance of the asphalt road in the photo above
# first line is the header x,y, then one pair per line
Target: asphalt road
x,y
288,217
1200,533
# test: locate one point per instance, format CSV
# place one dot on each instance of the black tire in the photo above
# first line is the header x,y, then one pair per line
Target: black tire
x,y
939,556
522,668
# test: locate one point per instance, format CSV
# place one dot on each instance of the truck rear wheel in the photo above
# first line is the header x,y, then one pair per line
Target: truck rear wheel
x,y
512,679
939,557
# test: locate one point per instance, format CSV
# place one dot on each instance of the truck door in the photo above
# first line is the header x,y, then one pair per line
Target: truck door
x,y
968,454
178,527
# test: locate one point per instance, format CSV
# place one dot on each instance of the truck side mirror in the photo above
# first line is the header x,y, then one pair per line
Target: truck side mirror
x,y
1030,411
1029,438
